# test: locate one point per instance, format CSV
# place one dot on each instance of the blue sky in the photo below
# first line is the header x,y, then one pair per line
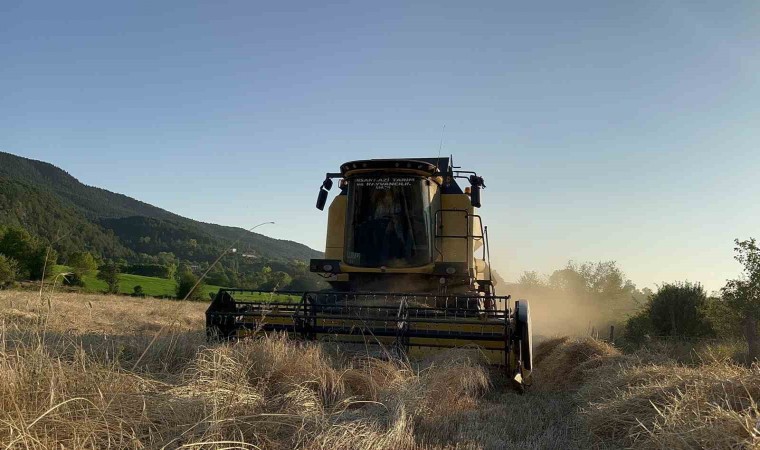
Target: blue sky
x,y
622,131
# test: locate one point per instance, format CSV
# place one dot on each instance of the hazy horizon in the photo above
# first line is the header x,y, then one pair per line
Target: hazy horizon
x,y
604,131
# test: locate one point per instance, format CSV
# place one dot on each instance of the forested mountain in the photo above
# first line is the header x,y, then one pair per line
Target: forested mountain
x,y
50,203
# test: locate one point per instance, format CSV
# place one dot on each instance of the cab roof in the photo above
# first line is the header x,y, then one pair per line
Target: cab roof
x,y
430,165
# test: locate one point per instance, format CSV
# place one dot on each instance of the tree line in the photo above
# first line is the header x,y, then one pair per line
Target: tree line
x,y
683,309
24,256
600,294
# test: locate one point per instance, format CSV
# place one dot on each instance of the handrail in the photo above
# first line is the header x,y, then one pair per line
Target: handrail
x,y
469,234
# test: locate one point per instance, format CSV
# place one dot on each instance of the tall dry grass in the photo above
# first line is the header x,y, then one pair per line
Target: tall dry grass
x,y
648,400
114,372
81,371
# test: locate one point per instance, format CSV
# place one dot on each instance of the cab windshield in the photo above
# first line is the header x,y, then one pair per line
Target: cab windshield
x,y
388,222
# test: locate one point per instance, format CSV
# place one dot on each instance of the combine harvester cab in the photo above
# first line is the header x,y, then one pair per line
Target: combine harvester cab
x,y
407,259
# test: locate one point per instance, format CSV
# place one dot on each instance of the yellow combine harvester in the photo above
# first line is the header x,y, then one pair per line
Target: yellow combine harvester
x,y
408,262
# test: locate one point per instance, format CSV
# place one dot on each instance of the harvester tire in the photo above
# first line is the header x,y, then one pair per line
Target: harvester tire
x,y
524,333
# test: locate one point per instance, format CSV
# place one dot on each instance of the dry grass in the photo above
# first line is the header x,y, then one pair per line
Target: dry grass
x,y
81,371
85,371
648,400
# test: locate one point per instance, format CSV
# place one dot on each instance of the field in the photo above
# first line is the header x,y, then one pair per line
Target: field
x,y
152,286
95,371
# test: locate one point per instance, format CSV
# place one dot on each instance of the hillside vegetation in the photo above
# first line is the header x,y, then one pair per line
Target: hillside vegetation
x,y
46,214
86,371
50,203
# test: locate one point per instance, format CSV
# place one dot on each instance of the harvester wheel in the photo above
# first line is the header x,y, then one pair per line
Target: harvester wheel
x,y
524,333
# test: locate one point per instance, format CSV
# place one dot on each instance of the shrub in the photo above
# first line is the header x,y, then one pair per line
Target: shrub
x,y
110,274
73,279
304,283
742,295
186,286
8,270
677,309
32,256
638,327
82,263
722,318
276,281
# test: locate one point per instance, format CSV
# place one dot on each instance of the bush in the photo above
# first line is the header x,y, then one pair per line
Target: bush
x,y
8,270
82,263
110,274
304,283
31,255
41,262
276,281
638,327
722,318
676,309
185,283
73,279
137,291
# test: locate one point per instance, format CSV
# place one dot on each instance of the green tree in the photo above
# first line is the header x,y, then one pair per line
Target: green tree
x,y
82,263
8,270
41,262
171,270
531,280
170,261
109,272
277,281
723,319
304,283
677,309
138,291
32,256
186,286
218,276
638,327
742,295
601,284
19,245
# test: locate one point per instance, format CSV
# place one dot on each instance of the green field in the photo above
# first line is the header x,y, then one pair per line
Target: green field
x,y
152,286
163,287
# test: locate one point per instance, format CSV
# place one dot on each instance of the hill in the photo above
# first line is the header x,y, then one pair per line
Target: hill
x,y
49,202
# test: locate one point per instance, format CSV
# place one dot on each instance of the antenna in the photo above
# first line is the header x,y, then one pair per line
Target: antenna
x,y
440,146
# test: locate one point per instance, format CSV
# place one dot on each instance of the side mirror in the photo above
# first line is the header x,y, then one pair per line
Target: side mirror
x,y
475,196
477,183
321,199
